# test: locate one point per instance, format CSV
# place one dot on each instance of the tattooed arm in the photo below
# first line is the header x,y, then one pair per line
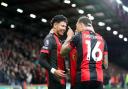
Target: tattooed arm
x,y
65,49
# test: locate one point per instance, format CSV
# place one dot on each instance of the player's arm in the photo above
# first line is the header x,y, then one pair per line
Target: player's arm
x,y
105,61
44,63
105,57
43,60
65,49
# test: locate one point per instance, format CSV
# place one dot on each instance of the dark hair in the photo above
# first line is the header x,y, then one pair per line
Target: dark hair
x,y
85,20
58,18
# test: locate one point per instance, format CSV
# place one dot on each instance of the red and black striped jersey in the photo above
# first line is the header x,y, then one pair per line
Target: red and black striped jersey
x,y
52,46
73,58
91,48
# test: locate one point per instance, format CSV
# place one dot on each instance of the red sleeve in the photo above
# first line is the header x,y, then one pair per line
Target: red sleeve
x,y
44,51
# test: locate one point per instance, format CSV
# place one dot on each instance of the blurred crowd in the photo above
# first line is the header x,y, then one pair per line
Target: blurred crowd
x,y
18,52
115,78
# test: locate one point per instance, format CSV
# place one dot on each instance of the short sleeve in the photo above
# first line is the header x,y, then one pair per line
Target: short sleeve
x,y
46,47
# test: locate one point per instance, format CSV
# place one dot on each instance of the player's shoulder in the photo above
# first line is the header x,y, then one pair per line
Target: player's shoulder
x,y
49,36
97,34
100,37
48,40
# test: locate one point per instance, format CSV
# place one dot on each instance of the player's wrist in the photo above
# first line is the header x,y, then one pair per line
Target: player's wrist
x,y
68,39
52,70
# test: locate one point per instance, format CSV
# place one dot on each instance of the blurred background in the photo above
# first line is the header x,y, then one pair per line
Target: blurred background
x,y
25,23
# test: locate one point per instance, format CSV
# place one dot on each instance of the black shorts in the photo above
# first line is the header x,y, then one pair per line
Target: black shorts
x,y
89,85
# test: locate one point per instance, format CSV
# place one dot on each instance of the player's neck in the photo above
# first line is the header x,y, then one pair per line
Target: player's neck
x,y
55,32
52,31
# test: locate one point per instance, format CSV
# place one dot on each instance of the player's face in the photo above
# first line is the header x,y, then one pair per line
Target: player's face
x,y
61,28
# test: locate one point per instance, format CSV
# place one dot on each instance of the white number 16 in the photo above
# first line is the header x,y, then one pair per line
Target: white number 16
x,y
95,50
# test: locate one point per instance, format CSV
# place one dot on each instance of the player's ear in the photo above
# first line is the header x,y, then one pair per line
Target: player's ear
x,y
55,25
82,24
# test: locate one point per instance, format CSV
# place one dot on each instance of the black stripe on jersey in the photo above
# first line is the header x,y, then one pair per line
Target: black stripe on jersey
x,y
53,59
53,56
79,58
92,63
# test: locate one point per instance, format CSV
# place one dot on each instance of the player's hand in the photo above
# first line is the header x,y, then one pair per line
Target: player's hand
x,y
60,73
70,32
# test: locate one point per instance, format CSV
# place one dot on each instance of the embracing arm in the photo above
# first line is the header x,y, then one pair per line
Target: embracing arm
x,y
65,49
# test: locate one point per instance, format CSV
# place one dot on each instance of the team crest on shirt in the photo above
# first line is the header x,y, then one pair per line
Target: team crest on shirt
x,y
46,43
